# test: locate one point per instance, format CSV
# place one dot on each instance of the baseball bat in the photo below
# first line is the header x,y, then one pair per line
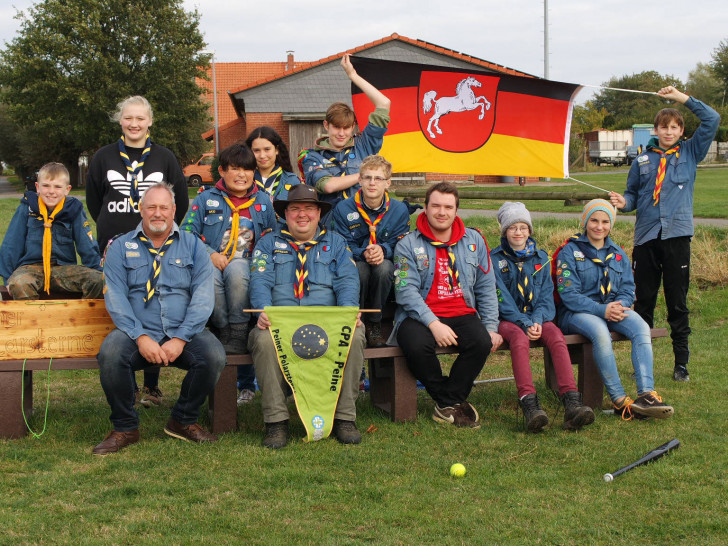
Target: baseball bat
x,y
651,456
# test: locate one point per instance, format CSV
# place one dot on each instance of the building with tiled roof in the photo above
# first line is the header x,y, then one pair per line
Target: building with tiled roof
x,y
292,97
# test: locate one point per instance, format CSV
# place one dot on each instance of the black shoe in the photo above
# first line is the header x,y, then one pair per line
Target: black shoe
x,y
650,404
680,373
576,414
237,343
535,417
276,435
373,331
346,432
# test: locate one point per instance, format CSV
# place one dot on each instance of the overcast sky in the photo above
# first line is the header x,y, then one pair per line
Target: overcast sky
x,y
589,41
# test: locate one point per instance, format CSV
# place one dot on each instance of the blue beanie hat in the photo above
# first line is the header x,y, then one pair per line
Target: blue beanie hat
x,y
598,204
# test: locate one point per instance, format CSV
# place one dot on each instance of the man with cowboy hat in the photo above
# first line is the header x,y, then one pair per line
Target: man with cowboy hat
x,y
302,264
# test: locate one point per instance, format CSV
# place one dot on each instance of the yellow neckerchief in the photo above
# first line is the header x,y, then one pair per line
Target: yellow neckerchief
x,y
48,239
235,227
372,225
156,263
300,288
661,170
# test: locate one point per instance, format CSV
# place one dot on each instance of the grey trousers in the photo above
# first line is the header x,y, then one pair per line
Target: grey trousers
x,y
274,387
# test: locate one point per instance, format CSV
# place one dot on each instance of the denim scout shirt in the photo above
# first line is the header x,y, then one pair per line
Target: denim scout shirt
x,y
184,294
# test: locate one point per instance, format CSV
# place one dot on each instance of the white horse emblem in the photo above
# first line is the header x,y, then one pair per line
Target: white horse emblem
x,y
463,101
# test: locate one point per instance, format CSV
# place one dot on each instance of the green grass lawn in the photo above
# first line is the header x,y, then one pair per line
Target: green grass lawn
x,y
394,488
710,197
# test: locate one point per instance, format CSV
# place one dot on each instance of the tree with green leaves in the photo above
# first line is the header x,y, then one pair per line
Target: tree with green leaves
x,y
625,109
74,60
704,85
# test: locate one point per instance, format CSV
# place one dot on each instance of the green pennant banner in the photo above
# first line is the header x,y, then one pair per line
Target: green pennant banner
x,y
312,345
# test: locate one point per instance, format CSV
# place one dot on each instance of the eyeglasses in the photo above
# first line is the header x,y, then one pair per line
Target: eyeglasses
x,y
514,229
376,179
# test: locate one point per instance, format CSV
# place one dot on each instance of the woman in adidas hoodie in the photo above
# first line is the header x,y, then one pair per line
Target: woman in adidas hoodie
x,y
120,172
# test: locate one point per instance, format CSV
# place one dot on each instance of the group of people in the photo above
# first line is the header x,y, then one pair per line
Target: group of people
x,y
179,280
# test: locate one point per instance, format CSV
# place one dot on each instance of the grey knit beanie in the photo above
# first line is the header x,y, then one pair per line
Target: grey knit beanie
x,y
510,213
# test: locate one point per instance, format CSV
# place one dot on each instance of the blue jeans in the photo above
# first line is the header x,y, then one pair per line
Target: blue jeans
x,y
231,293
636,330
203,357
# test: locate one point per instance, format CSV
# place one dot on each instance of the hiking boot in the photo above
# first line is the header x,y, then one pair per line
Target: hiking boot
x,y
346,432
534,416
151,397
576,414
222,334
245,396
454,415
680,373
115,441
276,435
650,404
373,331
237,344
189,433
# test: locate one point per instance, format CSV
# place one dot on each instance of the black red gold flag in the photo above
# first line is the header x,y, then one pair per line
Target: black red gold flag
x,y
464,121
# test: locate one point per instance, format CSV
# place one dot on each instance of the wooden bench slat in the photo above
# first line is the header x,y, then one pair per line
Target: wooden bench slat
x,y
392,387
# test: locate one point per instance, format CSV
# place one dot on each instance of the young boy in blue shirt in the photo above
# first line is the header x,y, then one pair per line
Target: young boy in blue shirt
x,y
332,165
39,249
660,187
230,218
372,223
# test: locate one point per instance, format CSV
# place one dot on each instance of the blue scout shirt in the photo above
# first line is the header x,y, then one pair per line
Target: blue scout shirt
x,y
578,280
538,270
323,162
332,275
349,223
277,187
184,293
673,214
70,231
414,260
210,217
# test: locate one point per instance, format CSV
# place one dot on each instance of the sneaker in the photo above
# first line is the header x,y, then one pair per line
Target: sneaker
x,y
623,408
469,411
346,432
245,396
137,395
536,418
650,404
373,331
276,435
680,373
115,441
454,415
576,414
151,397
189,433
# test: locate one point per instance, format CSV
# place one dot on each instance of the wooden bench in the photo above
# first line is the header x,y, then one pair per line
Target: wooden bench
x,y
393,389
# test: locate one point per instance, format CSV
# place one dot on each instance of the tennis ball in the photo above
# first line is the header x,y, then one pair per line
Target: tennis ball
x,y
457,470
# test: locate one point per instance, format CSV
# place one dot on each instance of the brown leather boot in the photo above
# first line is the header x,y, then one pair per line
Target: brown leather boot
x,y
115,441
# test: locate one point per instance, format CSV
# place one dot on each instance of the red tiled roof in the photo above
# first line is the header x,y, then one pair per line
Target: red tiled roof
x,y
236,77
232,75
419,43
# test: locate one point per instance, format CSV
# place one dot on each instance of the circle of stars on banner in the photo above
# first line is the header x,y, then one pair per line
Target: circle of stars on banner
x,y
309,342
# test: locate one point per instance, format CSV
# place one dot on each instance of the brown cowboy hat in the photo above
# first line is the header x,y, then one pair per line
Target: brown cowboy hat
x,y
300,193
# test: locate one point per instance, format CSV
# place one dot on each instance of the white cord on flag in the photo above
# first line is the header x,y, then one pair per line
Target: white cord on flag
x,y
620,89
580,182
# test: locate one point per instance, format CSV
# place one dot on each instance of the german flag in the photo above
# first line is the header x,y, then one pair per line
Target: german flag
x,y
470,122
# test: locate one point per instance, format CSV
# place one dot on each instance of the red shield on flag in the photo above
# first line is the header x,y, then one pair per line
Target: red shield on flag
x,y
456,110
